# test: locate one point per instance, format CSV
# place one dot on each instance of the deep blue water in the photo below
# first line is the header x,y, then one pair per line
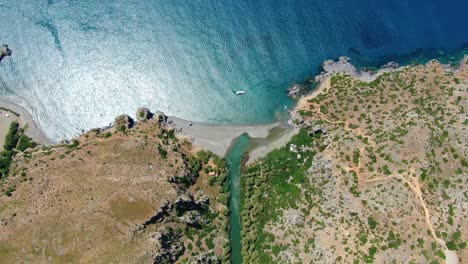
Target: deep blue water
x,y
79,63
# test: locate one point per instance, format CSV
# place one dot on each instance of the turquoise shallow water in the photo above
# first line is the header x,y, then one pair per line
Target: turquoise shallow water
x,y
79,63
234,158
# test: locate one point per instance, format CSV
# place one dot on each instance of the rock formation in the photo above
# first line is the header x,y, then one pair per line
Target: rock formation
x,y
143,114
296,91
123,122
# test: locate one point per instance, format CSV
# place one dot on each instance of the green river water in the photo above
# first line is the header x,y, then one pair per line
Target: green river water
x,y
234,159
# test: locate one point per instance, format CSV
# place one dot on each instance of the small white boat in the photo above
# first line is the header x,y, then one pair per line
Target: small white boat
x,y
240,92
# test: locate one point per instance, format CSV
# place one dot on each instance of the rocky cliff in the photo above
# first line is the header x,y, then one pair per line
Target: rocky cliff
x,y
111,196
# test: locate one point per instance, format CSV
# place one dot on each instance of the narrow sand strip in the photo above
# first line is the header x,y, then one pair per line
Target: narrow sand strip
x,y
217,139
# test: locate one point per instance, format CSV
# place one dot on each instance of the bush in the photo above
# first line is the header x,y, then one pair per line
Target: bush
x,y
74,144
162,152
25,142
212,181
204,155
372,223
11,139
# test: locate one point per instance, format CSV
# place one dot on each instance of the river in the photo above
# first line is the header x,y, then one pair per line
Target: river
x,y
234,158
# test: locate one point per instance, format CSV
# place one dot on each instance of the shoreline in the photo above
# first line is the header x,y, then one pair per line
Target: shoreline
x,y
219,138
24,118
215,138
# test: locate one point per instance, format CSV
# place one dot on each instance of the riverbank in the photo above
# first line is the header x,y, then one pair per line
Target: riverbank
x,y
10,112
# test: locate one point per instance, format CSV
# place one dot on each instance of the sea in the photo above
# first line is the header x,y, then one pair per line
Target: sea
x,y
77,64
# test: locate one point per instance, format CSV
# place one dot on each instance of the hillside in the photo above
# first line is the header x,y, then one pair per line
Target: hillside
x,y
128,194
377,174
375,171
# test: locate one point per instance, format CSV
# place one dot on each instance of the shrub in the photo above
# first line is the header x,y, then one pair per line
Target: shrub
x,y
25,142
11,139
74,144
372,223
162,152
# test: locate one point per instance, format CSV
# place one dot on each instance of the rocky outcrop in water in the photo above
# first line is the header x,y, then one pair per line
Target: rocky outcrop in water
x,y
344,66
143,113
297,90
4,51
160,116
123,122
391,65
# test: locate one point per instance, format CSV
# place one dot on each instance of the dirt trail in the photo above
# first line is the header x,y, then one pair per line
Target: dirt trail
x,y
413,183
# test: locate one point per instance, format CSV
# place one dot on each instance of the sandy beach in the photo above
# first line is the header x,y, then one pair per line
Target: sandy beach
x,y
24,119
214,138
217,139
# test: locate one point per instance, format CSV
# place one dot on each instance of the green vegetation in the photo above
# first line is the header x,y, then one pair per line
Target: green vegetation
x,y
356,156
25,142
402,130
15,141
202,236
162,152
372,223
11,139
268,187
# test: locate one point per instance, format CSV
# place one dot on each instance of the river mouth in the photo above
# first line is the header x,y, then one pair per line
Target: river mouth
x,y
234,158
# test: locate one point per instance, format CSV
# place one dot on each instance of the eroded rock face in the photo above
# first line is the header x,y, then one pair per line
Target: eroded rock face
x,y
201,198
170,244
124,121
205,258
193,218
